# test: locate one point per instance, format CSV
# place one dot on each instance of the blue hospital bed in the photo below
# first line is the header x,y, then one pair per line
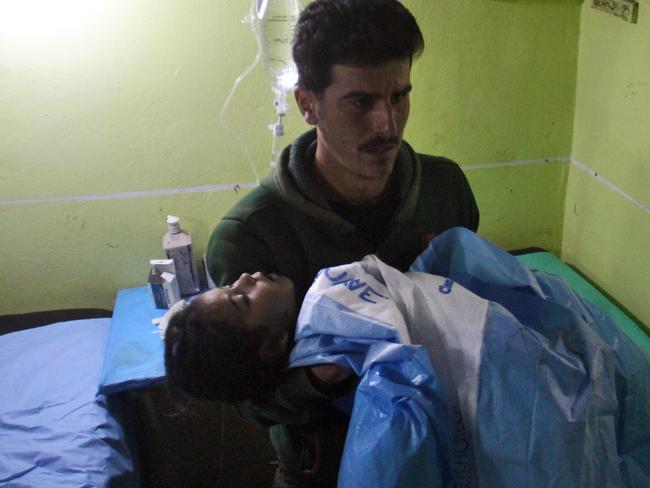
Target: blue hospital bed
x,y
55,430
547,262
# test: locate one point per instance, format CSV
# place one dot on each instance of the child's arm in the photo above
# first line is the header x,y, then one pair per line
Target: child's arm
x,y
329,376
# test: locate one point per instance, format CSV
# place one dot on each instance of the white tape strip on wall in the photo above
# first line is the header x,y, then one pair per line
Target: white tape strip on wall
x,y
236,187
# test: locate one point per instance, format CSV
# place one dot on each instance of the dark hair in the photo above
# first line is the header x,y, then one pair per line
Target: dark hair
x,y
352,32
215,360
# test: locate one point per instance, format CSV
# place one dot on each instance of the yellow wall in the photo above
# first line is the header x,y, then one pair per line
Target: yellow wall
x,y
106,107
607,218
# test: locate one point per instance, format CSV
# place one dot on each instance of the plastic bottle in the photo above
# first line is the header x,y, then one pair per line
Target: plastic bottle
x,y
177,245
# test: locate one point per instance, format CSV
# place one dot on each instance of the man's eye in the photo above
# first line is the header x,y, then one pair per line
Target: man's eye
x,y
362,102
398,97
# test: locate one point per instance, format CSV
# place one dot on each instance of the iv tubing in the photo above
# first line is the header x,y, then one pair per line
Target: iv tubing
x,y
239,79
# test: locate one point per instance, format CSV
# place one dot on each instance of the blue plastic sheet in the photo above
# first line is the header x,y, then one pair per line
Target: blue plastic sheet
x,y
518,381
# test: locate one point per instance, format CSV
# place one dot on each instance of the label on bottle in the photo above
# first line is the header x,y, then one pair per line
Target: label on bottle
x,y
186,273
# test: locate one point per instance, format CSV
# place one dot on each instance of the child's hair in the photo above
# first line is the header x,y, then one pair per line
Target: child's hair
x,y
216,360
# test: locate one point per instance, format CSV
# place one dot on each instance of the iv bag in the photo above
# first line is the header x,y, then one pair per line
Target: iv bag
x,y
273,22
276,20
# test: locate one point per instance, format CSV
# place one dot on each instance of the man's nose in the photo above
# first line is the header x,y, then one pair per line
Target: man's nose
x,y
383,118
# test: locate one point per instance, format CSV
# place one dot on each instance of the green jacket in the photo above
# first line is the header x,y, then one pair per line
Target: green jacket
x,y
285,226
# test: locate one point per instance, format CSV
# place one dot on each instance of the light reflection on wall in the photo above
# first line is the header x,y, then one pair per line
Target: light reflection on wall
x,y
25,23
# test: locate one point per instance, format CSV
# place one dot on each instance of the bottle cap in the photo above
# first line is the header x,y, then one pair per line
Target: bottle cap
x,y
174,224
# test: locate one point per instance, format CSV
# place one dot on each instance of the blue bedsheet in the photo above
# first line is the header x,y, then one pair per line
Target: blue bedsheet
x,y
54,431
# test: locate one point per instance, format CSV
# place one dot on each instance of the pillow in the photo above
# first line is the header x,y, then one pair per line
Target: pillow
x,y
134,354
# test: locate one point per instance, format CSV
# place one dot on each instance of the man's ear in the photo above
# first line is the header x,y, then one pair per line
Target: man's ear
x,y
275,346
306,104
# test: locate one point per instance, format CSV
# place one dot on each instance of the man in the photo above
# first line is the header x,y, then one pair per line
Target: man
x,y
348,188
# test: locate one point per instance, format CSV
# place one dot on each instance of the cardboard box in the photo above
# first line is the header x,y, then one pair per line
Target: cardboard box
x,y
163,286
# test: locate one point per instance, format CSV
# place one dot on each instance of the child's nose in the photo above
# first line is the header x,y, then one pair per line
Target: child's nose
x,y
246,280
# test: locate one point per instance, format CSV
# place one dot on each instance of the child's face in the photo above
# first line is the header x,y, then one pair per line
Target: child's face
x,y
255,300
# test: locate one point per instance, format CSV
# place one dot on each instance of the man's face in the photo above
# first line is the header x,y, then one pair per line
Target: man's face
x,y
257,299
360,118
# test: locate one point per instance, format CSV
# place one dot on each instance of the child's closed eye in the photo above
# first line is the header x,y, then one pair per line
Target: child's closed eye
x,y
240,301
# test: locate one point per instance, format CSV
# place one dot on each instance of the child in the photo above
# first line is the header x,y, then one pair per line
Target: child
x,y
231,343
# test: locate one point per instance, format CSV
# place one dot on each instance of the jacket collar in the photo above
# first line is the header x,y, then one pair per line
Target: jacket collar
x,y
293,181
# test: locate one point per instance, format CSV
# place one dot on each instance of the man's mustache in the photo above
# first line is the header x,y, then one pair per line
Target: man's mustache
x,y
378,142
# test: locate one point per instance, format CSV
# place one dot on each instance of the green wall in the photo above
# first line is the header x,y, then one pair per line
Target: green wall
x,y
494,90
102,115
607,223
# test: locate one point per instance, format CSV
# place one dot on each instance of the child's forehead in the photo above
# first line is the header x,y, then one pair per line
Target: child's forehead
x,y
217,301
